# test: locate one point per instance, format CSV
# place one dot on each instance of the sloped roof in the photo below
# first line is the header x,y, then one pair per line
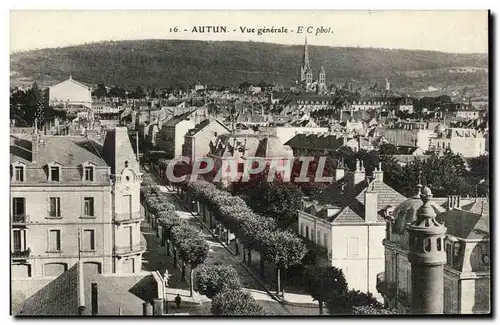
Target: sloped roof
x,y
479,206
58,298
466,225
271,147
67,150
179,118
117,150
316,141
202,125
351,201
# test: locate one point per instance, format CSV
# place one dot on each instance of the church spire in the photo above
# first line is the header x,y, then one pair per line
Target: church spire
x,y
305,61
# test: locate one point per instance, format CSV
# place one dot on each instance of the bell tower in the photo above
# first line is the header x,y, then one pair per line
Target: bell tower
x,y
427,257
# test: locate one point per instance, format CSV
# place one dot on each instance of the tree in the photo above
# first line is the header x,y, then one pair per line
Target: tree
x,y
213,279
191,246
345,302
235,303
279,200
139,93
388,149
325,284
100,92
193,251
117,92
283,249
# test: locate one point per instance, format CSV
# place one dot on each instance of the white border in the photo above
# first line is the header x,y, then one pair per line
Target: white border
x,y
186,4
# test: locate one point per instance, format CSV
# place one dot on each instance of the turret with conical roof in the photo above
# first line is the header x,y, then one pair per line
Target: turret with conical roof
x,y
427,257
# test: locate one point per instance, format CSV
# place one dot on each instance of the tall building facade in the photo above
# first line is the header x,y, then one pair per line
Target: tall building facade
x,y
73,199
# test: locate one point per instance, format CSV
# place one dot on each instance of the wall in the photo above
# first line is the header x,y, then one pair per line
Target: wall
x,y
203,138
71,201
475,296
468,146
180,131
68,91
362,264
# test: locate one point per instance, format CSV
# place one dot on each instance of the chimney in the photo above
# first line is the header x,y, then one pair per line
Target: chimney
x,y
453,202
371,203
358,175
94,299
35,146
339,172
378,174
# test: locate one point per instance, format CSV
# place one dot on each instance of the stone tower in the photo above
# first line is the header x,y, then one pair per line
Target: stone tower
x,y
322,80
306,76
427,257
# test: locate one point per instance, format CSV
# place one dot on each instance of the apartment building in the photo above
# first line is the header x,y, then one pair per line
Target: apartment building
x,y
74,199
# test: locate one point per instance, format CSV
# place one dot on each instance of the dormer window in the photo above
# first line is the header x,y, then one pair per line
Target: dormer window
x,y
88,173
19,173
55,173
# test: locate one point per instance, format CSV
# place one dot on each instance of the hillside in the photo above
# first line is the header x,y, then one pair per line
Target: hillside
x,y
167,63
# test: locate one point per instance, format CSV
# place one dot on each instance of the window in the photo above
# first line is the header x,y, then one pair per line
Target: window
x,y
17,240
54,240
427,244
302,229
19,173
325,239
88,240
89,174
18,206
352,246
318,237
307,232
55,207
54,174
439,244
88,207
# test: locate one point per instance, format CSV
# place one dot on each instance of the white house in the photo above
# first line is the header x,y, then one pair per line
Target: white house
x,y
70,93
348,220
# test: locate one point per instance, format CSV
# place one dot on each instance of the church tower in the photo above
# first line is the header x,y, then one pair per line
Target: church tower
x,y
427,257
306,76
322,80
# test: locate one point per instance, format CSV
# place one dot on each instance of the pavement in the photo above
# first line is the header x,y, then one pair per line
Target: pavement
x,y
155,259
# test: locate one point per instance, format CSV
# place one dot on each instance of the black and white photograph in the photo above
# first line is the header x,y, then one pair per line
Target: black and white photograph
x,y
249,163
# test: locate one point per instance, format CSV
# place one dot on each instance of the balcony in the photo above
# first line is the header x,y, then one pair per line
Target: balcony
x,y
130,249
20,219
18,254
124,218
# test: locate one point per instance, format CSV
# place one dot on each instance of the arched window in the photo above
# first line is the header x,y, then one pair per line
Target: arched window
x,y
427,245
438,242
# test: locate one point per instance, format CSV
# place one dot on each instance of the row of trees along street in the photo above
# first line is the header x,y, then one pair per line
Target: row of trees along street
x,y
253,232
185,241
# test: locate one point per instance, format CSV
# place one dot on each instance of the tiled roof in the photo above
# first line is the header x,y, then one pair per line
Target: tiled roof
x,y
179,118
316,141
466,225
58,298
351,201
67,150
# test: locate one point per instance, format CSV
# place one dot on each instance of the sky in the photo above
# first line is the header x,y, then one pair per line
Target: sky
x,y
446,31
